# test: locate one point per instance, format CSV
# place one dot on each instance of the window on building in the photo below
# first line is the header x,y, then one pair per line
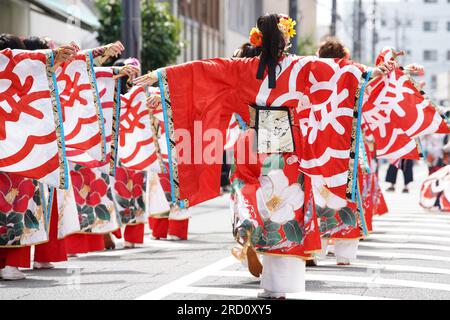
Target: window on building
x,y
244,15
431,1
430,26
433,82
430,55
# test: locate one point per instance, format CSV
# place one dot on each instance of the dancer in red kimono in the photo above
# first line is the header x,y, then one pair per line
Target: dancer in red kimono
x,y
343,227
293,108
344,234
76,83
435,190
128,185
45,159
394,113
140,156
25,218
93,186
166,222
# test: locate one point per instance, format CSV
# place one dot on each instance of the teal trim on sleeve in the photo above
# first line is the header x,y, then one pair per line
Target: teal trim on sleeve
x,y
166,124
100,111
358,133
60,118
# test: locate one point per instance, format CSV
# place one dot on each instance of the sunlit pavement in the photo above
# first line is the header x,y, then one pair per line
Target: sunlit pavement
x,y
407,257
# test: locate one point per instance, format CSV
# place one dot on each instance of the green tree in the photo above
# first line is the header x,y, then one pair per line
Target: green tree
x,y
109,18
161,43
306,46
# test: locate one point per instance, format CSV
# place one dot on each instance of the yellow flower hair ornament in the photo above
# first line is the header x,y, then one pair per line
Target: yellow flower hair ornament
x,y
256,37
286,26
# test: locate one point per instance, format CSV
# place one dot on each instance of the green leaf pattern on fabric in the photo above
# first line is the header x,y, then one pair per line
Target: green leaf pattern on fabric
x,y
293,231
272,162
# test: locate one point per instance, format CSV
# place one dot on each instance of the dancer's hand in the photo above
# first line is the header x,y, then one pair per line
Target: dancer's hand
x,y
114,49
154,102
421,85
146,80
399,53
65,53
129,71
102,54
415,68
384,69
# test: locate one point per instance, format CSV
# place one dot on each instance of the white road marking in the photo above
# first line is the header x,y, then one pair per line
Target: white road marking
x,y
412,216
398,245
372,280
185,281
148,244
408,238
387,267
380,281
396,218
423,225
401,255
183,285
414,231
310,295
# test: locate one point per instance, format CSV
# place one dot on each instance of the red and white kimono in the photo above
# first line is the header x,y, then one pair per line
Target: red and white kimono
x,y
139,152
273,196
396,112
375,201
91,180
435,190
165,220
109,95
355,220
82,112
30,104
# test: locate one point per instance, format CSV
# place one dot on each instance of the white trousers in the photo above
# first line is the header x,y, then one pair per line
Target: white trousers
x,y
283,274
343,248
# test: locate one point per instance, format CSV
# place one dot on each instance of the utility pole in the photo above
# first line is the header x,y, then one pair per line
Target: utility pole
x,y
374,30
200,29
293,8
397,26
333,18
361,22
358,23
131,31
355,30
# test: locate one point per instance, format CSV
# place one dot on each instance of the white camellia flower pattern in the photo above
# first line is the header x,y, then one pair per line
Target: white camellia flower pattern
x,y
276,199
325,198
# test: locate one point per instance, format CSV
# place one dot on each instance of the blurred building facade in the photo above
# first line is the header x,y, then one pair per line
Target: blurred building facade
x,y
201,28
442,94
61,20
210,28
420,27
215,28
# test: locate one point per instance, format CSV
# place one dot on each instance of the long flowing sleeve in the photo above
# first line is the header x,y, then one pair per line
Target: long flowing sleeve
x,y
31,132
197,114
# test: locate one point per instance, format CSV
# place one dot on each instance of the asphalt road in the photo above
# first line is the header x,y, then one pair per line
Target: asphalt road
x,y
407,257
